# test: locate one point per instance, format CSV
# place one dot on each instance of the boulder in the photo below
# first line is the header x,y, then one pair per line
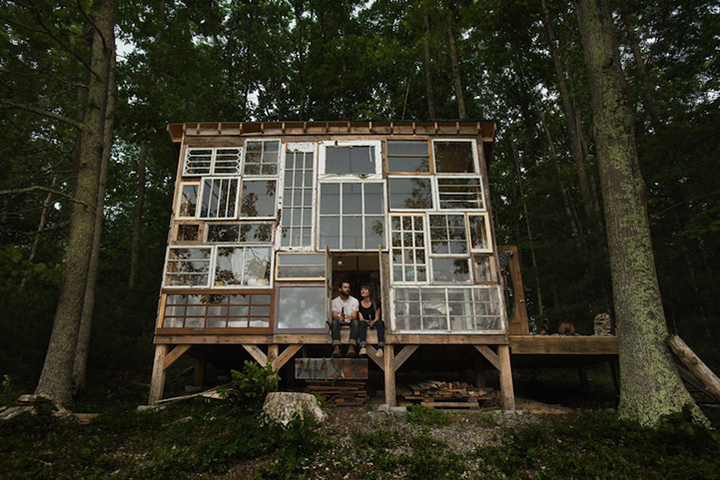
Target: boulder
x,y
281,407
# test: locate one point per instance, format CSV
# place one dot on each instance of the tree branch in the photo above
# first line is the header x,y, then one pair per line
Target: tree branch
x,y
43,189
44,113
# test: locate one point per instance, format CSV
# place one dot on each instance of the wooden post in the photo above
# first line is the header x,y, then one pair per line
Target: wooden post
x,y
157,383
701,371
479,373
506,383
273,352
199,372
390,375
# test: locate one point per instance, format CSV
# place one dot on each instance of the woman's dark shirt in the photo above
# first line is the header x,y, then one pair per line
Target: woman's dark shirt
x,y
368,313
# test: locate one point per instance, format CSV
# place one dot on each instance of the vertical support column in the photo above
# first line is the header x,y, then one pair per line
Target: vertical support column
x,y
390,375
506,383
273,352
157,383
199,372
479,373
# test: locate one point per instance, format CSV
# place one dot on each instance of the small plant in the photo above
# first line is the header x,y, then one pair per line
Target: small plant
x,y
250,386
427,416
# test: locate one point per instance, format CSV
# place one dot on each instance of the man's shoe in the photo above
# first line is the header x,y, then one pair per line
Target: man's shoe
x,y
363,351
351,351
379,352
336,351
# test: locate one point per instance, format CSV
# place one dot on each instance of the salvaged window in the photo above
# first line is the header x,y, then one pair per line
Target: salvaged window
x,y
454,156
188,232
258,198
297,213
188,200
408,156
187,267
261,157
219,197
242,232
451,270
448,235
351,158
410,193
242,266
447,309
352,215
301,307
460,193
300,266
212,161
246,310
484,266
409,264
479,225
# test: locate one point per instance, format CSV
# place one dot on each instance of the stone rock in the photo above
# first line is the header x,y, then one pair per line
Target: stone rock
x,y
281,407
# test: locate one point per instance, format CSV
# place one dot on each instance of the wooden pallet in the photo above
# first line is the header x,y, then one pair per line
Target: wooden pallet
x,y
439,394
339,392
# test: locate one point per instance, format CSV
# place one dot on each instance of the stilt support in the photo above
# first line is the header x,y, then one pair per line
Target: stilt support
x,y
390,375
173,355
157,383
257,354
285,356
506,383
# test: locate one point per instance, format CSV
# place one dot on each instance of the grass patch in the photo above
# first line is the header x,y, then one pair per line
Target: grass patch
x,y
420,415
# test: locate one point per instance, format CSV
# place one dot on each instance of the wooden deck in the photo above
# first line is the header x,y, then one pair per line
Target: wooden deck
x,y
563,345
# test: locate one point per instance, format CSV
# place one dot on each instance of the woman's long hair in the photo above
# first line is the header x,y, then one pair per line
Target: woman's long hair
x,y
371,296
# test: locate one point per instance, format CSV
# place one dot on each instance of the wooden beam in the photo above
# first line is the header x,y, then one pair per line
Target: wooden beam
x,y
166,336
273,352
506,382
564,345
157,382
489,355
256,353
176,353
698,368
372,355
389,357
285,356
404,355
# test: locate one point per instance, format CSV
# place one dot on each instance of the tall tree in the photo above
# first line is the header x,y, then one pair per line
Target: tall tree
x,y
650,384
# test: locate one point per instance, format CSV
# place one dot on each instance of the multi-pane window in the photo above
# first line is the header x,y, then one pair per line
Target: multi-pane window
x,y
408,156
261,157
460,193
454,157
297,212
448,235
212,161
407,235
351,158
484,266
188,200
247,266
302,307
188,232
219,197
242,232
410,193
479,225
187,267
352,215
246,310
447,309
300,266
258,198
451,270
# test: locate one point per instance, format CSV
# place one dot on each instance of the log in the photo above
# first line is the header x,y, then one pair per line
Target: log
x,y
701,371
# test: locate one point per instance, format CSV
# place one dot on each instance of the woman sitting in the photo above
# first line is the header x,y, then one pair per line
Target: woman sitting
x,y
369,314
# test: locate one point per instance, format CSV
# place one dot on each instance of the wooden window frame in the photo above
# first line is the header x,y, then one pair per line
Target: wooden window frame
x,y
279,158
241,192
429,235
386,157
209,224
473,148
176,230
198,200
284,280
296,284
322,160
167,260
486,220
244,246
433,193
493,269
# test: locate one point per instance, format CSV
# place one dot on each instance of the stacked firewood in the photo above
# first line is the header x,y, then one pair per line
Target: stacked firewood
x,y
339,392
440,394
603,324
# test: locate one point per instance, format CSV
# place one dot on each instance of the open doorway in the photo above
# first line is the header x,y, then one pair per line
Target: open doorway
x,y
358,269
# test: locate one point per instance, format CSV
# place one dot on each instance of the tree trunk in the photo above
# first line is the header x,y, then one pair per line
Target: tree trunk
x,y
589,201
138,217
83,342
650,384
457,81
41,223
56,377
429,90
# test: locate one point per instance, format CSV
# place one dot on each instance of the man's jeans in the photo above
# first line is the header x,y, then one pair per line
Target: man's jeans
x,y
335,326
379,326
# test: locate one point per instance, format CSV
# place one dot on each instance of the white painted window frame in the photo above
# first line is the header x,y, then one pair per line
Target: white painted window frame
x,y
208,224
183,184
257,178
244,246
213,157
433,193
202,193
476,160
299,147
350,143
436,192
192,287
486,219
393,280
281,149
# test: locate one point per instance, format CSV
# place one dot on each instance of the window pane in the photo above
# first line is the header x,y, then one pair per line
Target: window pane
x,y
255,233
229,266
188,201
302,307
197,161
188,233
352,233
187,267
257,266
329,198
258,198
410,193
374,231
408,156
374,199
460,193
310,265
219,197
330,232
227,161
483,269
356,160
351,198
451,270
223,233
478,233
454,157
447,234
297,214
261,157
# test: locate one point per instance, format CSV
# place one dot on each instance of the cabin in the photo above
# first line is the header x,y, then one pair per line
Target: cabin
x,y
269,218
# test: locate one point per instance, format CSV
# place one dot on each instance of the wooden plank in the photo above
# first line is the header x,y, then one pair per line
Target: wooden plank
x,y
390,397
273,351
372,355
466,405
404,355
286,355
166,336
489,355
564,345
176,353
331,368
518,325
506,382
257,354
698,368
157,382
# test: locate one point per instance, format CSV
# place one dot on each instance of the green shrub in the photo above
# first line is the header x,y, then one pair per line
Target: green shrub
x,y
427,416
250,386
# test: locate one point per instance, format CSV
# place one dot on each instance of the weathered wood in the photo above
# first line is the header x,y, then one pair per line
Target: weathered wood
x,y
518,325
157,383
506,382
698,368
273,352
389,357
166,336
489,355
174,354
569,345
256,353
331,368
286,355
404,355
372,355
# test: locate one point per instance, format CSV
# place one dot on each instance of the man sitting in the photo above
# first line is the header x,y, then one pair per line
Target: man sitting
x,y
344,312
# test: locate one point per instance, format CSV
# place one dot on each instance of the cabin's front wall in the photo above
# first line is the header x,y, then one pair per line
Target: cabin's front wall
x,y
258,217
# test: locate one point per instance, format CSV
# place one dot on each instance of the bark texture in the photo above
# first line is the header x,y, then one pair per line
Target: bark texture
x,y
429,89
56,377
457,81
650,384
138,217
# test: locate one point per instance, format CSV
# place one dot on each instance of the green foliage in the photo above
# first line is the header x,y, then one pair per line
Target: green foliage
x,y
427,416
250,386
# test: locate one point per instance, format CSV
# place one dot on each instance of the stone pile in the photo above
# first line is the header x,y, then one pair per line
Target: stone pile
x,y
603,324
